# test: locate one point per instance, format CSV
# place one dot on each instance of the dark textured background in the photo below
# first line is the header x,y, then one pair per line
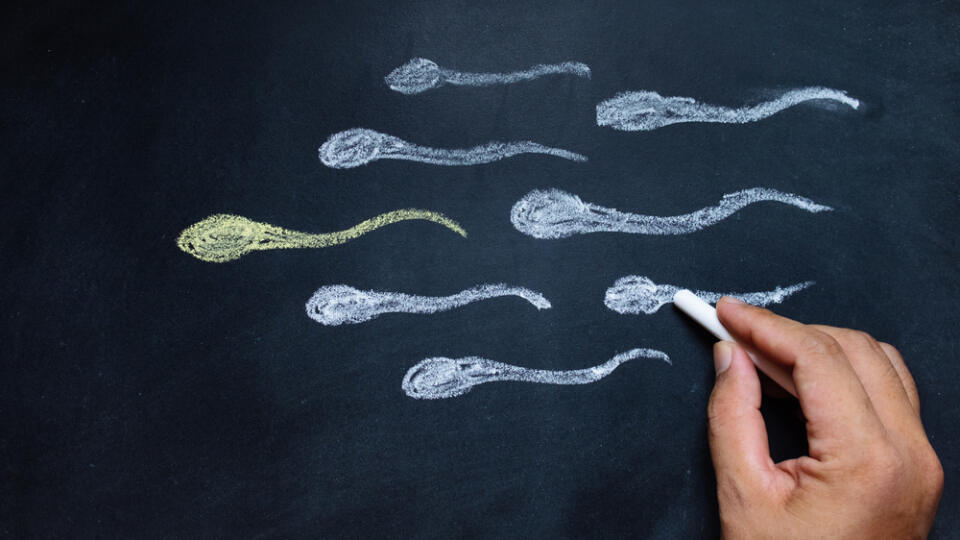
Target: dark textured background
x,y
148,394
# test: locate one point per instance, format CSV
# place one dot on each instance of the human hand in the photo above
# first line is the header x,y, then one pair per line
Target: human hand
x,y
871,472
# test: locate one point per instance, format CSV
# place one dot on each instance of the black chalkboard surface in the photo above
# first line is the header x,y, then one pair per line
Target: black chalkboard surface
x,y
147,393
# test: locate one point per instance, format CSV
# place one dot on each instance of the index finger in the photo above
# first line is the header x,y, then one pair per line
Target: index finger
x,y
834,402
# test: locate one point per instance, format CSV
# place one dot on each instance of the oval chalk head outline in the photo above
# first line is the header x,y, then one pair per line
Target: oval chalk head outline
x,y
548,213
633,294
639,294
225,237
416,76
436,378
557,214
421,74
439,378
220,238
356,147
644,110
360,146
334,305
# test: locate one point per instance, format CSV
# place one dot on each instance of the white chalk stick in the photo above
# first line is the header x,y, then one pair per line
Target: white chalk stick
x,y
706,315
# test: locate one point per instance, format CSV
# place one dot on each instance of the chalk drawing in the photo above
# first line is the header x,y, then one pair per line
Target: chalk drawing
x,y
644,110
438,378
639,294
334,305
557,214
224,237
359,146
420,74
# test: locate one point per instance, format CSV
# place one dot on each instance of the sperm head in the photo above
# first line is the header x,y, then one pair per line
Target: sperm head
x,y
548,213
636,294
220,238
334,305
417,75
437,378
353,148
643,111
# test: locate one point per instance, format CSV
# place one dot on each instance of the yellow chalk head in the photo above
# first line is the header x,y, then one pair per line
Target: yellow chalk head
x,y
220,238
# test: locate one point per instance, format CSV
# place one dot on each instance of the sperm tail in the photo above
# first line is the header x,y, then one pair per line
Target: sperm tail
x,y
374,223
487,79
740,199
483,292
589,375
530,147
782,293
792,98
763,298
633,354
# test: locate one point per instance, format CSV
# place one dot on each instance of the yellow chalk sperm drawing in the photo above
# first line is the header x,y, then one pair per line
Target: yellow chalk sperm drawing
x,y
225,237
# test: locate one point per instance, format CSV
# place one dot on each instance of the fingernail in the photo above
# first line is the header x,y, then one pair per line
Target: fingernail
x,y
722,356
732,300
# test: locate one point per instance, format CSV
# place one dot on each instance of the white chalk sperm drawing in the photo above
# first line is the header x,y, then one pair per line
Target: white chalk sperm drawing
x,y
421,74
359,146
644,110
639,294
554,213
334,305
438,378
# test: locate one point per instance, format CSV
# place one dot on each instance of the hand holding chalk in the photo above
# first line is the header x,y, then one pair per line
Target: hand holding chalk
x,y
870,471
706,315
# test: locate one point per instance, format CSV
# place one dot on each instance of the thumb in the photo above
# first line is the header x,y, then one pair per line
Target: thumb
x,y
738,437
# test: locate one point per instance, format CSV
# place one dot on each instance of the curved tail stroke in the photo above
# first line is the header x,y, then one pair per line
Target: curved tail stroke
x,y
360,146
639,294
438,378
421,74
334,305
225,237
554,213
645,111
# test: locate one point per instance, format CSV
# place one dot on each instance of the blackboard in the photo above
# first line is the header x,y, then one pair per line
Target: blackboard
x,y
147,393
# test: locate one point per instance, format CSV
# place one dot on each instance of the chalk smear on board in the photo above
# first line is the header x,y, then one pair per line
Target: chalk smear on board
x,y
554,213
438,378
421,74
639,294
359,146
225,237
334,305
645,110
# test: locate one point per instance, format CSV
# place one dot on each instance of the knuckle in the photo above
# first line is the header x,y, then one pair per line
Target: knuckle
x,y
820,345
889,350
932,471
720,418
715,409
720,400
856,340
862,338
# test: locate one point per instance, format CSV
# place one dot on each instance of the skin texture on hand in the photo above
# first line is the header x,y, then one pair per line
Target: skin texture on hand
x,y
870,473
